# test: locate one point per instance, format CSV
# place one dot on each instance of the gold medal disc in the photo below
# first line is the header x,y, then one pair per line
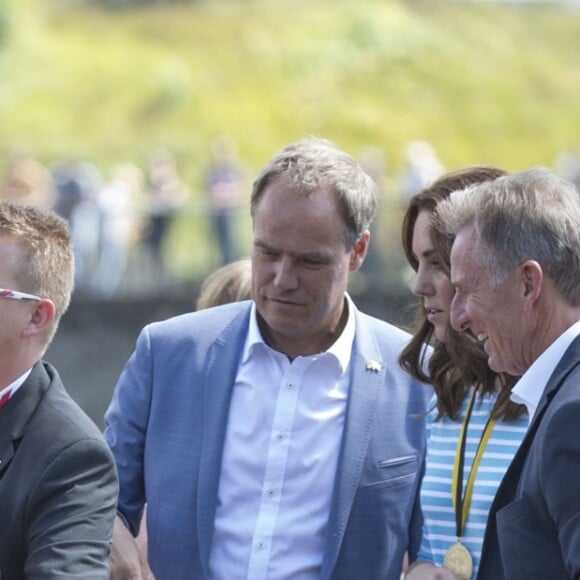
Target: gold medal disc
x,y
459,561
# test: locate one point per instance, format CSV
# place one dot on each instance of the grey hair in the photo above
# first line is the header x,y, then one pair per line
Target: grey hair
x,y
313,164
530,215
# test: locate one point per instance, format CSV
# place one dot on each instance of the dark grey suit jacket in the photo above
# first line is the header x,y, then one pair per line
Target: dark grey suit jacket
x,y
533,529
58,485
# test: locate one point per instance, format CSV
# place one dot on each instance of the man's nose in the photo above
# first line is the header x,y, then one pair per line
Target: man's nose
x,y
286,275
458,314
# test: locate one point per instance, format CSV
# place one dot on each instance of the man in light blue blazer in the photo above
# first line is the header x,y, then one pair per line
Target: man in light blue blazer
x,y
276,438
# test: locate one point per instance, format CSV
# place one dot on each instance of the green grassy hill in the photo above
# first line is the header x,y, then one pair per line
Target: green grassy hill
x,y
484,83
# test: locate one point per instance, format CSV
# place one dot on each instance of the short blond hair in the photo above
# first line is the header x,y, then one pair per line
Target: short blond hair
x,y
47,267
230,283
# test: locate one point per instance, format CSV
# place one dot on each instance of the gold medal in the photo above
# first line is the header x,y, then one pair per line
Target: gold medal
x,y
459,561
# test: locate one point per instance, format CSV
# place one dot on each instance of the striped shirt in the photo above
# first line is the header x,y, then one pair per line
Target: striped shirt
x,y
439,529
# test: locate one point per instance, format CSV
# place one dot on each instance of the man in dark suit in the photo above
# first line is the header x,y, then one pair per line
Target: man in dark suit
x,y
58,485
276,438
515,264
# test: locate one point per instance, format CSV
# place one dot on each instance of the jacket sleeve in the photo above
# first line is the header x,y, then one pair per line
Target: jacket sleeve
x,y
70,515
560,481
126,423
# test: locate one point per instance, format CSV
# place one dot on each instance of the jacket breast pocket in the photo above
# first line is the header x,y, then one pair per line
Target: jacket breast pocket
x,y
397,461
402,469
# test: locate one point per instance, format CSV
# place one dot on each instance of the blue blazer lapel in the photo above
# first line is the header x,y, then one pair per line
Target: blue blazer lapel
x,y
223,358
570,360
367,375
510,485
508,491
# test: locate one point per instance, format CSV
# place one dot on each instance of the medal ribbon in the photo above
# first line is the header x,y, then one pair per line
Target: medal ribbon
x,y
461,504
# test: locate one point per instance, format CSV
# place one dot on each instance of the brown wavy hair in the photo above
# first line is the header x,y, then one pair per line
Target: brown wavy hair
x,y
459,362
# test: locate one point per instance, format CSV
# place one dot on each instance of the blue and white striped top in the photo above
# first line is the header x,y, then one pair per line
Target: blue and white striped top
x,y
439,526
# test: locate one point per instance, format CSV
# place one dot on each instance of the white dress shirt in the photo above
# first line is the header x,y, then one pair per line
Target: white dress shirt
x,y
280,457
15,385
529,389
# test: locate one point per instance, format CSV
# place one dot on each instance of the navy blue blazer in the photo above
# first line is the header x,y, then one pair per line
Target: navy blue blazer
x,y
166,426
533,529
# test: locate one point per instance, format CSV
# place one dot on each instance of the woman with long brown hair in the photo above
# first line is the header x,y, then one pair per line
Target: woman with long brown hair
x,y
474,429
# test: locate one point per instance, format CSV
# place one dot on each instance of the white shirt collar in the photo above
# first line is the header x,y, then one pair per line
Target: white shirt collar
x,y
341,349
529,389
15,385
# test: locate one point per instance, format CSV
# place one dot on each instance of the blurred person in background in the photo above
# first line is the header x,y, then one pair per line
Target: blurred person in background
x,y
515,265
58,485
473,428
567,164
118,201
166,195
77,185
230,283
421,168
225,185
371,273
26,180
276,437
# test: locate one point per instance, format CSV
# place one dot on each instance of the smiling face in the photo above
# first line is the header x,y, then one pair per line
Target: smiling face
x,y
431,281
495,314
300,269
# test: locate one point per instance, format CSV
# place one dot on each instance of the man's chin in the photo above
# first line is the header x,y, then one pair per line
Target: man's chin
x,y
500,368
492,364
283,325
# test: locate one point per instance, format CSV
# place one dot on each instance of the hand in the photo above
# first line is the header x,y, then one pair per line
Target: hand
x,y
126,560
428,571
441,574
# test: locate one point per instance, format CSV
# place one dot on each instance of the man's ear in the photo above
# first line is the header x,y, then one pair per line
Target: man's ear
x,y
532,277
40,318
360,250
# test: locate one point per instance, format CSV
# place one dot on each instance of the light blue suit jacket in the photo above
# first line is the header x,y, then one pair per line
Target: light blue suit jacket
x,y
166,426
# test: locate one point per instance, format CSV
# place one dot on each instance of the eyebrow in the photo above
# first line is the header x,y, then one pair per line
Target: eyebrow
x,y
425,254
264,246
317,256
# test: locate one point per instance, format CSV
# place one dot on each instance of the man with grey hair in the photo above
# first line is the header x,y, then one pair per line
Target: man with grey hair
x,y
515,265
276,438
58,484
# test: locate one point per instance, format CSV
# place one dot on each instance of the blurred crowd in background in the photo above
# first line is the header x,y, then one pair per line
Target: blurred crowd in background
x,y
120,221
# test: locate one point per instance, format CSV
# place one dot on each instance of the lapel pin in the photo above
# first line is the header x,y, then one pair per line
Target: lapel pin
x,y
374,366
